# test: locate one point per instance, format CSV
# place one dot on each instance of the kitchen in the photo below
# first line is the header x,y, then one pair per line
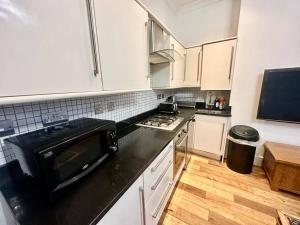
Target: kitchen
x,y
120,112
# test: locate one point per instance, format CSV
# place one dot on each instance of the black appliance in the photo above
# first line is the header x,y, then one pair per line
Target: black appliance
x,y
280,95
168,107
60,155
242,142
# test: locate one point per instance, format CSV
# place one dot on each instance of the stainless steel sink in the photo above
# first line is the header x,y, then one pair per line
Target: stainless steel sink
x,y
208,111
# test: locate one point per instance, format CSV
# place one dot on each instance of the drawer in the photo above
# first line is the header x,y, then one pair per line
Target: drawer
x,y
159,199
157,170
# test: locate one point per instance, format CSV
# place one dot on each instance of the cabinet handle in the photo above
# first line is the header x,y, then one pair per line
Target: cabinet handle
x,y
92,36
198,68
201,66
184,74
148,33
155,214
153,169
172,77
142,202
161,176
231,61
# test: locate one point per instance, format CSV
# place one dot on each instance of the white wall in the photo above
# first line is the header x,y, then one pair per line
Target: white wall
x,y
200,23
162,10
194,24
268,37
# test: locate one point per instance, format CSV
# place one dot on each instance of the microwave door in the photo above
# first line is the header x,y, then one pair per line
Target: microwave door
x,y
70,161
84,172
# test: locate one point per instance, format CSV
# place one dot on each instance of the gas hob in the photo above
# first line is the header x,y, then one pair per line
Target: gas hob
x,y
161,121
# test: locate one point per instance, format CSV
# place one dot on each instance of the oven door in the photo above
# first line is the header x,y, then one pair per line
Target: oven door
x,y
73,159
180,154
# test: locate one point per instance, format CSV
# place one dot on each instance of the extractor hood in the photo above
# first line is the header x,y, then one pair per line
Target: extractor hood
x,y
159,45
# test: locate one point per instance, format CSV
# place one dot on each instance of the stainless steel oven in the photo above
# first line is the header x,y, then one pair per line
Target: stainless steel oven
x,y
183,148
181,141
190,142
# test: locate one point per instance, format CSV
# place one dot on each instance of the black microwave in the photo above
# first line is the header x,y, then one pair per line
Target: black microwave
x,y
58,156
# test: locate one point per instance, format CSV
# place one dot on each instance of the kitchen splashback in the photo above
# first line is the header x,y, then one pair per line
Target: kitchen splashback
x,y
195,94
28,116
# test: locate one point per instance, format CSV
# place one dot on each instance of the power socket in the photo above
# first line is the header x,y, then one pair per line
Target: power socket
x,y
110,106
98,109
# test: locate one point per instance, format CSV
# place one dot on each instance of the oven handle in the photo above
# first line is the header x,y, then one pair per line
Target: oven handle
x,y
82,174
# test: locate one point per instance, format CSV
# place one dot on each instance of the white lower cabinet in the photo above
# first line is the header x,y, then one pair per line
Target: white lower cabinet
x,y
154,174
210,134
128,210
159,184
156,204
143,203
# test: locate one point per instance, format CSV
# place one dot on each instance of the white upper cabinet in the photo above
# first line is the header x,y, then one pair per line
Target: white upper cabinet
x,y
193,67
170,75
123,45
177,67
217,65
46,48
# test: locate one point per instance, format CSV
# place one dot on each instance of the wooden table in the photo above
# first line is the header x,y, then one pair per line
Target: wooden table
x,y
282,166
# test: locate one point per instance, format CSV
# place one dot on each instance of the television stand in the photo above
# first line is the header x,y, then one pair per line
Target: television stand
x,y
282,165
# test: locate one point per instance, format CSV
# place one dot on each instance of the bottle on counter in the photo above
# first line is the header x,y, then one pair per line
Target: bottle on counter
x,y
221,103
217,103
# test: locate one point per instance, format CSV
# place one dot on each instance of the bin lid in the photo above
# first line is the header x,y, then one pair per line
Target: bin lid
x,y
244,133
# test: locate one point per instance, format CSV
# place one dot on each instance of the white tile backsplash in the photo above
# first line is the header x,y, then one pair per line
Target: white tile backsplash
x,y
28,117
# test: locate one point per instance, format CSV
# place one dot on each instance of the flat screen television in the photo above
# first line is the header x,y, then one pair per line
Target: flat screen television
x,y
280,96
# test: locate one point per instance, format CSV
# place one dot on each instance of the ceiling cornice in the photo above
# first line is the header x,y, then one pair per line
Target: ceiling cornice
x,y
190,6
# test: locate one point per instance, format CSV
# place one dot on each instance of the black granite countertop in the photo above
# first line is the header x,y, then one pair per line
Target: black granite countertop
x,y
209,112
213,112
87,201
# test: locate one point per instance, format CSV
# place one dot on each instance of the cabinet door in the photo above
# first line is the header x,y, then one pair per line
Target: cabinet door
x,y
217,65
46,48
128,209
193,67
209,133
177,67
123,45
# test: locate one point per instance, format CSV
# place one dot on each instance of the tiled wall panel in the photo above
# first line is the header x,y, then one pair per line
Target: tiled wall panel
x,y
28,117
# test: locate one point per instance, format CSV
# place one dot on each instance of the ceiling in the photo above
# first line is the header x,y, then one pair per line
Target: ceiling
x,y
179,5
182,3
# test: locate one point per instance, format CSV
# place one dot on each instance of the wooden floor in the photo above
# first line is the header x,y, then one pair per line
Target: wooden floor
x,y
210,193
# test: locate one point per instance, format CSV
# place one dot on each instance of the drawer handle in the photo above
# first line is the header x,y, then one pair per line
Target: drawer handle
x,y
142,202
154,215
161,176
153,169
